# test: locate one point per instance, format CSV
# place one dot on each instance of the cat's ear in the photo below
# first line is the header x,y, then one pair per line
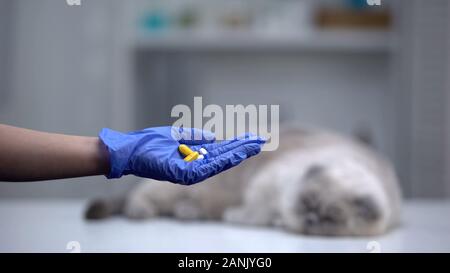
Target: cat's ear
x,y
313,171
364,134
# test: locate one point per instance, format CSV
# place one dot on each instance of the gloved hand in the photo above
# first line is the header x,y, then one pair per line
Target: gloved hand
x,y
153,153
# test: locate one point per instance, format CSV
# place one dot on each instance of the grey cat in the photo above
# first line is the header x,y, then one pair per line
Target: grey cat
x,y
317,183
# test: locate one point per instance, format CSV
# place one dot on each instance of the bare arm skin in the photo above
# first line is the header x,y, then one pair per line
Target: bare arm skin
x,y
27,155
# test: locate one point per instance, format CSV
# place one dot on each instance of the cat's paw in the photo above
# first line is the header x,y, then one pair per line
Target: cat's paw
x,y
139,209
186,210
235,216
248,216
98,209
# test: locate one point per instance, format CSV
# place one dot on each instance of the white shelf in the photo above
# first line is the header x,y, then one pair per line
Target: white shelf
x,y
347,41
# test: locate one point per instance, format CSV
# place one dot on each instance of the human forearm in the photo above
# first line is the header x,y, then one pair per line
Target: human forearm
x,y
27,155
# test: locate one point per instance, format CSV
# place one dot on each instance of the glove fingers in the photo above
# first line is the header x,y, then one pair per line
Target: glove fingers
x,y
192,136
213,146
225,161
217,148
232,146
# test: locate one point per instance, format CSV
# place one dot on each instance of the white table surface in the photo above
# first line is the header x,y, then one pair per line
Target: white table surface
x,y
50,225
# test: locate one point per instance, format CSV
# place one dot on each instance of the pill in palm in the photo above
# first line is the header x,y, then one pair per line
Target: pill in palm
x,y
193,156
185,150
190,155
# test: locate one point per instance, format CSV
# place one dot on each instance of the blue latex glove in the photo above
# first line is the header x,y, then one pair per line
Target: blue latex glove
x,y
153,153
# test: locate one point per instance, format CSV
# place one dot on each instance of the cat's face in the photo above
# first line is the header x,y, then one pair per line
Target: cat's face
x,y
341,198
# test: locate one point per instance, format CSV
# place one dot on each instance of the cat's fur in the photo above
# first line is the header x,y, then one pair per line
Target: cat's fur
x,y
317,182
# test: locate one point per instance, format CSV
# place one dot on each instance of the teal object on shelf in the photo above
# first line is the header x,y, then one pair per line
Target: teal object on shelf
x,y
155,20
357,4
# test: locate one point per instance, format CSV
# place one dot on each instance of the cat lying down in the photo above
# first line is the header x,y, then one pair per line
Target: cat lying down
x,y
317,183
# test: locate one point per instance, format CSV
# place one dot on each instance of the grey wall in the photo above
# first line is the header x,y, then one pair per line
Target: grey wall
x,y
5,44
421,78
59,79
75,70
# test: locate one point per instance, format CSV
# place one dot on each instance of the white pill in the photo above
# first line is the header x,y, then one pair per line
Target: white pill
x,y
200,157
203,151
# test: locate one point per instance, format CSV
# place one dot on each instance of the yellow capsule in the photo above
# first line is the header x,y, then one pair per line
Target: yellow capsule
x,y
193,156
185,150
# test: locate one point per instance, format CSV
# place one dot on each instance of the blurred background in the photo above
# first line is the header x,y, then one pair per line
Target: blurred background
x,y
340,64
